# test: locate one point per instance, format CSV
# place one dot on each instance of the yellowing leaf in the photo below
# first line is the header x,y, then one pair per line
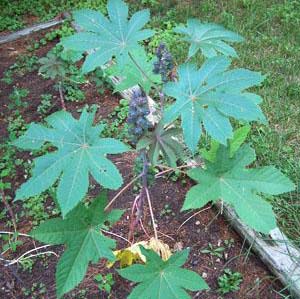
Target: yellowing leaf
x,y
133,254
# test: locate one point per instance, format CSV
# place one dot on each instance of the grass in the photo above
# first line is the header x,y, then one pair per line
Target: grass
x,y
272,46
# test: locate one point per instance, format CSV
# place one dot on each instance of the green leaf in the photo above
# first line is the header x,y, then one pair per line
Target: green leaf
x,y
104,38
132,75
80,151
81,233
210,95
239,136
209,38
163,143
52,67
163,279
210,155
228,179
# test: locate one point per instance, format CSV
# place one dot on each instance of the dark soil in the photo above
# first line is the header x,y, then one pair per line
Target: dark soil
x,y
197,233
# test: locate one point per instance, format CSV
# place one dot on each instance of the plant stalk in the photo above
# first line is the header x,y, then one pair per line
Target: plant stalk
x,y
61,95
10,211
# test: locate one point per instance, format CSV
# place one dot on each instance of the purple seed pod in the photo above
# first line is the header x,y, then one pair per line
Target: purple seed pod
x,y
137,115
164,64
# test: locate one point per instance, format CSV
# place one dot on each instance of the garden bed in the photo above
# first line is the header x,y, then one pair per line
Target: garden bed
x,y
227,250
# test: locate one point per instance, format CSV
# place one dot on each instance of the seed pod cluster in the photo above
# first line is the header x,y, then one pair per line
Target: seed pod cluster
x,y
164,64
137,115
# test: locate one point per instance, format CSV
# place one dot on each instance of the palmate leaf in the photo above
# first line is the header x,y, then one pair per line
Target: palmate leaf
x,y
210,95
228,179
209,38
105,38
80,151
52,67
163,279
85,243
162,142
239,136
132,75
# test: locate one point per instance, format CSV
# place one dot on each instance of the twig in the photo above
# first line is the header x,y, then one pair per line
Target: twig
x,y
33,255
10,211
116,235
25,257
121,191
26,253
195,214
12,233
169,169
143,228
167,236
151,214
61,95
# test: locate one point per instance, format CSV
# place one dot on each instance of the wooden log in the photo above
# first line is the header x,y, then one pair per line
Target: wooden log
x,y
24,32
280,256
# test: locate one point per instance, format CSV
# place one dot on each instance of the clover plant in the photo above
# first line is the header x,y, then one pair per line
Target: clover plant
x,y
190,100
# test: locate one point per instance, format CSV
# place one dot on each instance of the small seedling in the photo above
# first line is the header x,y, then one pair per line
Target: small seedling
x,y
46,103
16,98
229,282
167,211
105,282
214,251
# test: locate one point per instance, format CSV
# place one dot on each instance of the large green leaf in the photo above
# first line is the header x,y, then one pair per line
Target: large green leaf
x,y
81,233
239,136
162,142
132,75
228,179
80,151
163,279
209,38
105,38
210,95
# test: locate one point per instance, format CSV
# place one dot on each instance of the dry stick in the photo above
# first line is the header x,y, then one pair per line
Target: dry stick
x,y
10,211
151,213
195,214
116,235
29,251
167,236
143,228
61,95
121,191
11,233
169,169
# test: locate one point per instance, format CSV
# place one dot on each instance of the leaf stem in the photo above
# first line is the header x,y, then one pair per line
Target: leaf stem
x,y
10,210
121,191
151,213
116,235
143,72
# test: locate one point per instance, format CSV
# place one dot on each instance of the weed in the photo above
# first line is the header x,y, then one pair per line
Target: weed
x,y
105,282
37,291
229,281
214,251
116,124
167,211
12,242
17,98
46,103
